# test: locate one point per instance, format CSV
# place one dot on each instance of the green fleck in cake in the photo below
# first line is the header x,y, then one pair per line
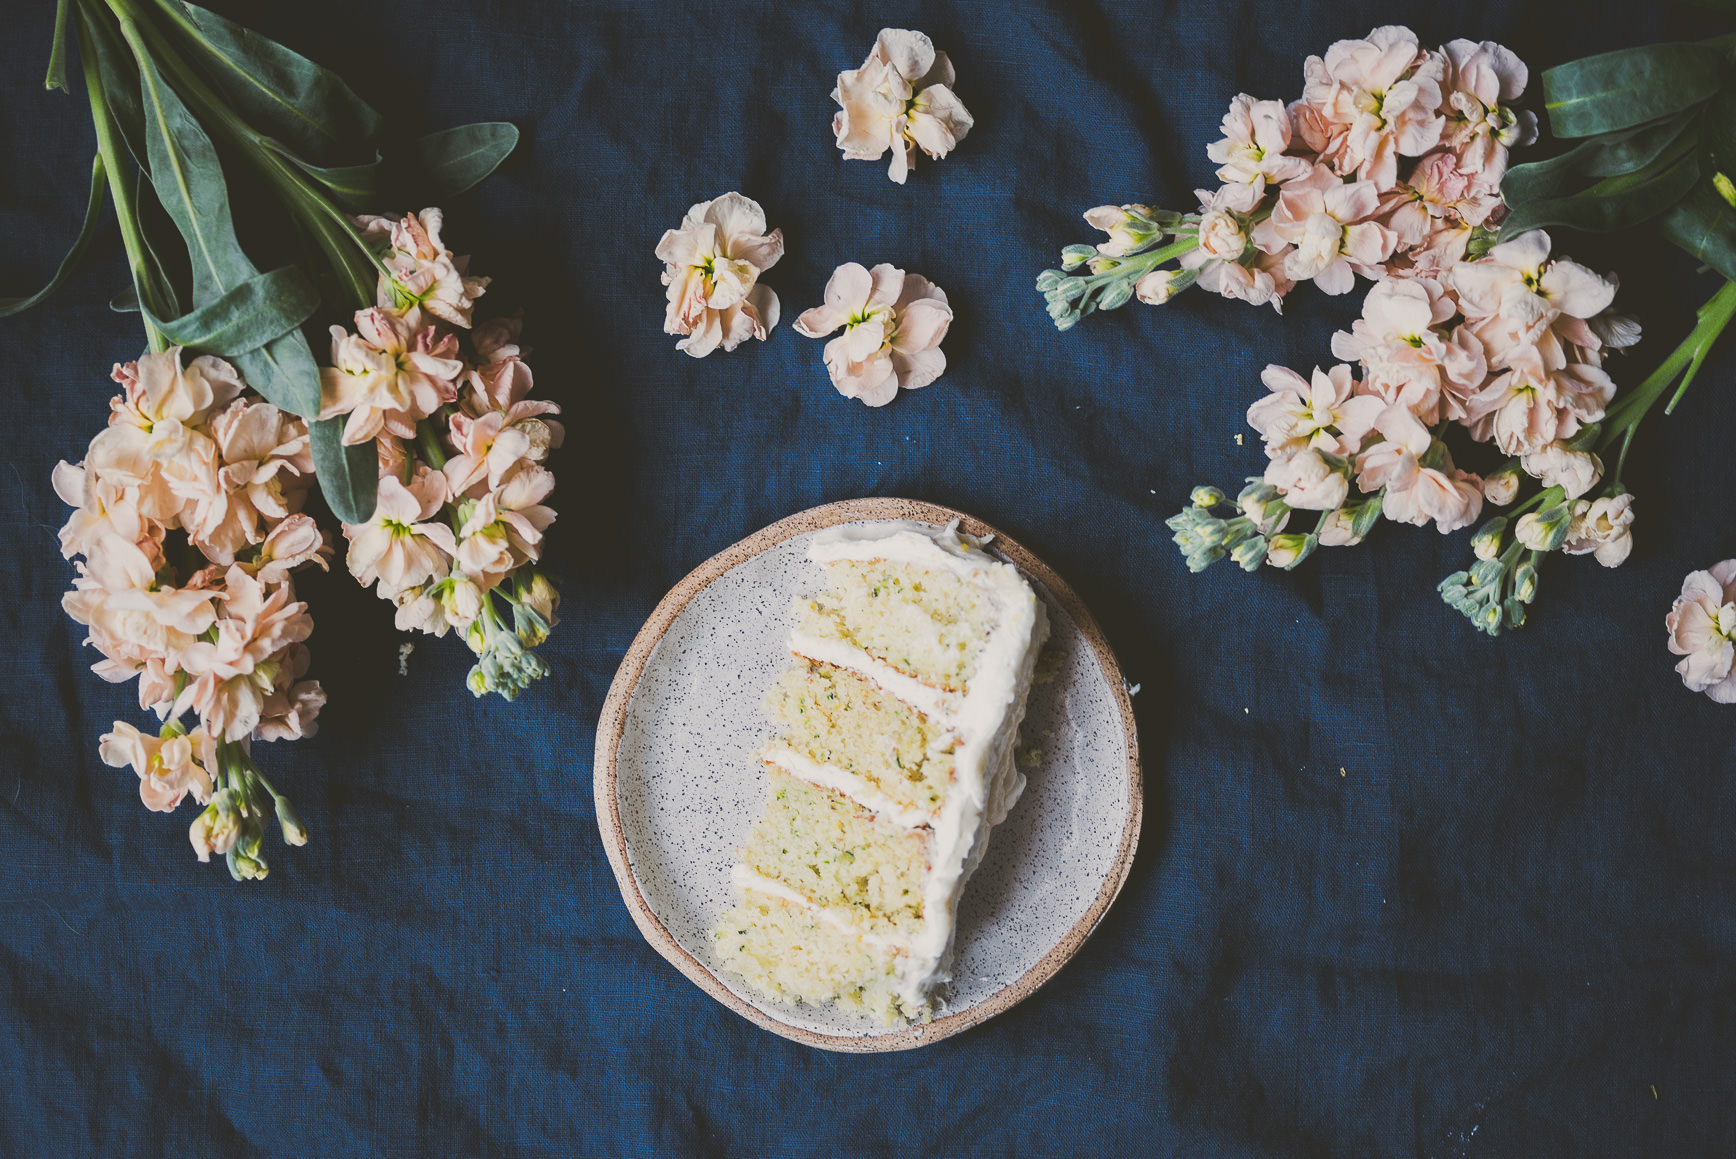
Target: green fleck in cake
x,y
897,756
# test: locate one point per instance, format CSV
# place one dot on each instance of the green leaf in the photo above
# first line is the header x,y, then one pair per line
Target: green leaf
x,y
69,263
260,309
456,159
310,109
1718,129
349,476
120,84
285,373
154,231
355,187
1606,212
1628,87
1609,155
1704,224
189,183
56,78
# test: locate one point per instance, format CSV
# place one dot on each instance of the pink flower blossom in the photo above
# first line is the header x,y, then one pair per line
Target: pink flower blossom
x,y
1557,464
900,99
1416,493
291,710
402,546
712,268
504,530
893,326
423,273
295,541
169,768
1408,361
391,373
1254,147
1308,482
131,617
1702,625
1602,528
1517,281
236,672
1324,413
1480,82
1524,410
1369,101
1327,221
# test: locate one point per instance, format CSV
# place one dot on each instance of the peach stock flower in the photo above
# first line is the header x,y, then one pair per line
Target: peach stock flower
x,y
391,373
1369,101
1602,529
425,274
1254,147
1325,413
1702,626
900,99
893,325
168,767
1328,221
403,545
712,268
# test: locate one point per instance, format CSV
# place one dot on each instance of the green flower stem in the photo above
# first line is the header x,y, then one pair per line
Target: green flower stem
x,y
428,442
1143,263
1684,362
112,156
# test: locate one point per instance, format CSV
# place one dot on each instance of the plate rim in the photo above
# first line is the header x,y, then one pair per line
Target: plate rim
x,y
612,723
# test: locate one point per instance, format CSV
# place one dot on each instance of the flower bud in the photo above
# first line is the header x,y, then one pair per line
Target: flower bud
x,y
476,681
294,832
476,635
1263,507
1543,531
541,439
1249,553
218,828
1525,583
1340,529
461,599
1157,287
529,624
1074,255
1286,551
1487,541
1207,497
1502,487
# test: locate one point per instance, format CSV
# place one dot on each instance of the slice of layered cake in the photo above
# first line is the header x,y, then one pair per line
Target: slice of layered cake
x,y
899,724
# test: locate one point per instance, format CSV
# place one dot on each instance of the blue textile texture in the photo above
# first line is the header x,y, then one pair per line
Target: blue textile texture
x,y
1403,890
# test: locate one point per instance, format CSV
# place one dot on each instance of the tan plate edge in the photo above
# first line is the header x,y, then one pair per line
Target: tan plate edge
x,y
612,723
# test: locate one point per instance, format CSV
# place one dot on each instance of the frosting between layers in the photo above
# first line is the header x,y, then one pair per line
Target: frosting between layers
x,y
986,718
744,878
857,788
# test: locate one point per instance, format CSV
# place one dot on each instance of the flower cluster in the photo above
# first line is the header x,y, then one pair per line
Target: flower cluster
x,y
712,266
900,99
1509,348
1390,162
1702,628
462,446
186,531
893,325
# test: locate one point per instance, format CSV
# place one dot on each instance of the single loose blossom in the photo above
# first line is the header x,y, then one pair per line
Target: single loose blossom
x,y
1324,412
1602,529
712,268
1702,626
900,99
893,326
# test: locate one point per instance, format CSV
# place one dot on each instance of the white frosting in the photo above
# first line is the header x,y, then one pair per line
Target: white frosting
x,y
837,917
985,719
857,788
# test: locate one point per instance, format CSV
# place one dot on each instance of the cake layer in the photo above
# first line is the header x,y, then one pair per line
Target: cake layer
x,y
836,854
838,718
786,951
927,623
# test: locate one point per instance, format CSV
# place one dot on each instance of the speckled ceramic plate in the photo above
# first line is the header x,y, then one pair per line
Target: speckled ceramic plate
x,y
678,787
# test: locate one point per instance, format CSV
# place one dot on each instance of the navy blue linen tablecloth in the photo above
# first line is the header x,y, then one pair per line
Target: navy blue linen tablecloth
x,y
1403,890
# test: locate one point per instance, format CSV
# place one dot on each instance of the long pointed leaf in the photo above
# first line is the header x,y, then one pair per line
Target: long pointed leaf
x,y
1628,87
120,84
1704,224
189,182
310,109
348,476
251,315
56,78
1610,155
69,263
355,187
456,159
1607,212
284,371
